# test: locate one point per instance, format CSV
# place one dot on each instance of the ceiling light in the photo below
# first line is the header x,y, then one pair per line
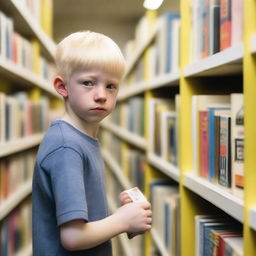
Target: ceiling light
x,y
152,4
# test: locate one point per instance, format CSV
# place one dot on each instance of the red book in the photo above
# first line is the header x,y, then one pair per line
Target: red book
x,y
203,135
225,24
221,248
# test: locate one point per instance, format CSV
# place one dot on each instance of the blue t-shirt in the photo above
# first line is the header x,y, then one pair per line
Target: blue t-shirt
x,y
68,184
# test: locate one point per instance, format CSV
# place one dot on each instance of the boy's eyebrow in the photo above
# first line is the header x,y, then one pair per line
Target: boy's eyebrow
x,y
95,77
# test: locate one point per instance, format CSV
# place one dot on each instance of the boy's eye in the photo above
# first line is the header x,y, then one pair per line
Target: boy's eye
x,y
111,86
87,83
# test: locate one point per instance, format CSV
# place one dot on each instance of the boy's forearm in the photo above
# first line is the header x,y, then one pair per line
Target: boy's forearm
x,y
78,235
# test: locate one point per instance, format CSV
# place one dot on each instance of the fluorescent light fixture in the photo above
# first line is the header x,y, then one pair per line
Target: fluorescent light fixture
x,y
152,4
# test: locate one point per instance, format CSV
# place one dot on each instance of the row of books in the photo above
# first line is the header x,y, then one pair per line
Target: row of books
x,y
135,161
130,115
15,170
21,51
215,26
165,200
21,116
163,125
15,230
113,144
218,139
162,55
41,11
218,236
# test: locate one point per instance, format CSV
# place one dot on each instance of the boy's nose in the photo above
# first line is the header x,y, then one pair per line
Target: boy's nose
x,y
100,94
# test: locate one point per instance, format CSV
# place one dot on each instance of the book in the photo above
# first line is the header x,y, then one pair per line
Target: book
x,y
225,24
172,224
200,103
225,152
212,140
136,195
237,143
214,26
206,27
168,137
156,106
165,41
217,114
203,144
233,246
160,192
237,22
199,220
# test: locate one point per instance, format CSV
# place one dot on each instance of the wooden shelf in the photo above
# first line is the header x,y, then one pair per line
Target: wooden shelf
x,y
28,26
138,88
253,44
14,199
24,77
116,169
216,195
167,168
124,134
20,144
226,62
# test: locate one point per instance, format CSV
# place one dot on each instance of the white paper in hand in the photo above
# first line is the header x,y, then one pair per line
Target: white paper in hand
x,y
136,195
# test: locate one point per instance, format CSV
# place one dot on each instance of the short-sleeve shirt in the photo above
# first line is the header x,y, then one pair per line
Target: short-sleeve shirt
x,y
68,184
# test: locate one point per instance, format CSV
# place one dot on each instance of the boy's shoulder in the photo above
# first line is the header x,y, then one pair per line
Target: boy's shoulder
x,y
63,135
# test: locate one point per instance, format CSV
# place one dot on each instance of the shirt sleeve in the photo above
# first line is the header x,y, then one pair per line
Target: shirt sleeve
x,y
66,171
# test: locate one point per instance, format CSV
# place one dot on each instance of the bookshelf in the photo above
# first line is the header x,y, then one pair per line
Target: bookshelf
x,y
155,166
23,84
232,70
126,184
18,145
17,197
226,62
28,26
125,135
26,78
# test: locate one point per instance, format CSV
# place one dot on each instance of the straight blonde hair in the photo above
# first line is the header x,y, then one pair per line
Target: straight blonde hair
x,y
86,50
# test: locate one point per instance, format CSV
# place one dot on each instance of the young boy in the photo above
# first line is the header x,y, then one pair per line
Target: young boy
x,y
70,214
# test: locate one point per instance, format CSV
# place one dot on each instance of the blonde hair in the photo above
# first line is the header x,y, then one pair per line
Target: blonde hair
x,y
85,50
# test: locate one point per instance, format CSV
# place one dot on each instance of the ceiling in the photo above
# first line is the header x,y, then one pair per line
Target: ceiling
x,y
115,18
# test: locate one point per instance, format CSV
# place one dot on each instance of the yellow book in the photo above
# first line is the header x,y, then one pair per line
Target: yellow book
x,y
47,16
36,56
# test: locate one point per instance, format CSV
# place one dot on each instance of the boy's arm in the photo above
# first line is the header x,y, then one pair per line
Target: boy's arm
x,y
79,235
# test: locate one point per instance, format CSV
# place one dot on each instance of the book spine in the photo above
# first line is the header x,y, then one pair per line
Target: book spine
x,y
204,143
225,24
225,168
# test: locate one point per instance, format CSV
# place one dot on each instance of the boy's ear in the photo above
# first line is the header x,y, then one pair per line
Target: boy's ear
x,y
60,86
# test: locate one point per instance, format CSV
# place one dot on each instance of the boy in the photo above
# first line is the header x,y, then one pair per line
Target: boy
x,y
69,204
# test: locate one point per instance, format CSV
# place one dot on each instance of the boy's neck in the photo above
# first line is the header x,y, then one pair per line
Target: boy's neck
x,y
90,130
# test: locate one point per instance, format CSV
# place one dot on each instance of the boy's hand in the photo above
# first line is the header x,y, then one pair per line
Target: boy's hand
x,y
132,195
136,217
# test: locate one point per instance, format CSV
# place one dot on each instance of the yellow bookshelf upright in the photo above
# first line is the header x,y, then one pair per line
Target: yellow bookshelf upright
x,y
249,73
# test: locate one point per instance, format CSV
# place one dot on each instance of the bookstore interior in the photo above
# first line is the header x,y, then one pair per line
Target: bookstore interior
x,y
181,131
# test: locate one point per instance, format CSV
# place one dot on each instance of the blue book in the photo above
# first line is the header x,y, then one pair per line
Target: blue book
x,y
211,135
168,20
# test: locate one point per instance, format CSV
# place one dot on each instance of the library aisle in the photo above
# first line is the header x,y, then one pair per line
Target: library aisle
x,y
183,130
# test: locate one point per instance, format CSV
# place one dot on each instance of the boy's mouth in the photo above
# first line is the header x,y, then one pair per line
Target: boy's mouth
x,y
99,110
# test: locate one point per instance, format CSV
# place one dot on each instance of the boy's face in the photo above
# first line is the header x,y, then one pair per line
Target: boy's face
x,y
92,94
